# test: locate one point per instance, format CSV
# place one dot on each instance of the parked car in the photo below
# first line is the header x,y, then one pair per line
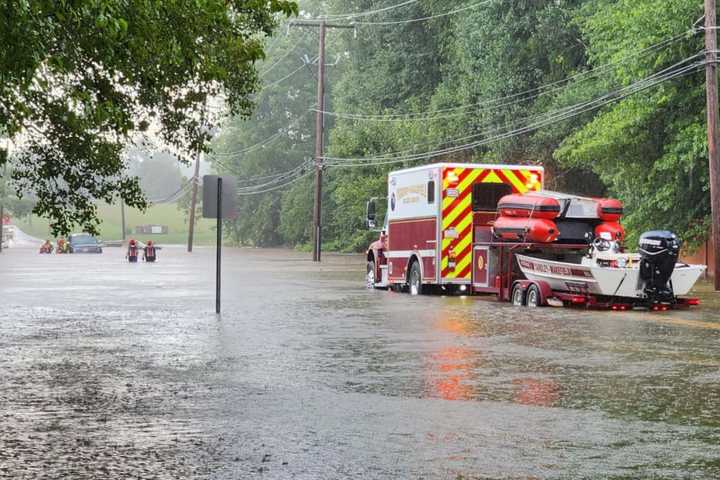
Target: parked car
x,y
84,243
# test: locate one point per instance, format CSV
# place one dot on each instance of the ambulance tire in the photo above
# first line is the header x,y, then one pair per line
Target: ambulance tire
x,y
415,279
370,276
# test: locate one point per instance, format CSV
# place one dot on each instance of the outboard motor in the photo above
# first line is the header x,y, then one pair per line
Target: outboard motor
x,y
659,252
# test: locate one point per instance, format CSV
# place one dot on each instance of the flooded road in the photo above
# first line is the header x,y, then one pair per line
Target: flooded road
x,y
112,370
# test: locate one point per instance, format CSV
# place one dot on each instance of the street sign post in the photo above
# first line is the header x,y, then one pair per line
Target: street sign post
x,y
218,202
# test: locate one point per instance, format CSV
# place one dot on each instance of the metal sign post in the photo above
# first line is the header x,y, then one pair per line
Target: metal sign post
x,y
219,203
218,256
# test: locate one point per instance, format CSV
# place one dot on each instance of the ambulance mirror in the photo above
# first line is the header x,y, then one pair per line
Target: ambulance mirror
x,y
371,214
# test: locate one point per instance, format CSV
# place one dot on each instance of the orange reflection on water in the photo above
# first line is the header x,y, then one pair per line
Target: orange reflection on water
x,y
453,365
540,393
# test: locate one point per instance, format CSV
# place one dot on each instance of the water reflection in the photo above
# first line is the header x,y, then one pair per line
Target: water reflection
x,y
536,392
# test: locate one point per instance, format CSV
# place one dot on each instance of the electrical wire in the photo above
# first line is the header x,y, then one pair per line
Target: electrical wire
x,y
348,16
173,197
549,118
300,169
427,18
497,103
526,129
278,187
285,55
278,82
268,140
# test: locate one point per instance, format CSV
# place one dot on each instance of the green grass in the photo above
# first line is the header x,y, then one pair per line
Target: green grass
x,y
110,229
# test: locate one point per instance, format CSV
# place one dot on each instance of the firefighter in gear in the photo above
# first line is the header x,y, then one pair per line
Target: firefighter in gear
x,y
132,251
62,246
149,254
46,247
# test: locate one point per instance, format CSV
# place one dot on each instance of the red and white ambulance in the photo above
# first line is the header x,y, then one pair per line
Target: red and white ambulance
x,y
436,214
493,229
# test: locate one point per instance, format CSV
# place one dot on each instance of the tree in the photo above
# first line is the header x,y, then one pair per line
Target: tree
x,y
649,149
78,79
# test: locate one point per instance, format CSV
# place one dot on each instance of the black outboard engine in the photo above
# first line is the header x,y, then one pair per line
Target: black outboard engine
x,y
659,252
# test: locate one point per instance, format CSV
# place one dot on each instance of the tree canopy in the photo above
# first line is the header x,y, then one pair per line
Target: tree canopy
x,y
606,94
79,79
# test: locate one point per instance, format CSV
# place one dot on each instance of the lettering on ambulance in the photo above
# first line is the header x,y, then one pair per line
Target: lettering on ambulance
x,y
457,227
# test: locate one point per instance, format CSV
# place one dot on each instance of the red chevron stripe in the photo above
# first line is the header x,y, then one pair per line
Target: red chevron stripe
x,y
520,176
466,271
462,255
506,180
466,212
465,192
464,233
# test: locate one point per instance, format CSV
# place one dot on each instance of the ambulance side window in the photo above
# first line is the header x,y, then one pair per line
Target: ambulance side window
x,y
487,195
431,192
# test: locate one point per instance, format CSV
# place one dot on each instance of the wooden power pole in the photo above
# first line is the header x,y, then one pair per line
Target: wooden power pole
x,y
712,129
319,130
122,219
193,202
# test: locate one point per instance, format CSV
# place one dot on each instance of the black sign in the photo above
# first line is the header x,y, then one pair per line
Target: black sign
x,y
210,196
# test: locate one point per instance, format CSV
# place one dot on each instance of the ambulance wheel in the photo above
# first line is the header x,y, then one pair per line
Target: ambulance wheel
x,y
518,296
533,297
370,278
415,279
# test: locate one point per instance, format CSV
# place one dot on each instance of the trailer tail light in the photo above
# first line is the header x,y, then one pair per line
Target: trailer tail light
x,y
620,307
693,301
578,299
660,308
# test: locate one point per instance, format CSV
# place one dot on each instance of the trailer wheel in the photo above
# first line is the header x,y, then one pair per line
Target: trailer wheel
x,y
533,296
415,281
518,296
370,277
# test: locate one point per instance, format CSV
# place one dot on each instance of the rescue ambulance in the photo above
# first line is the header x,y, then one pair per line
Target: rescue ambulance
x,y
435,216
493,229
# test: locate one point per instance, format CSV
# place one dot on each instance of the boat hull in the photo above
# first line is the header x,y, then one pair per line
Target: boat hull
x,y
605,281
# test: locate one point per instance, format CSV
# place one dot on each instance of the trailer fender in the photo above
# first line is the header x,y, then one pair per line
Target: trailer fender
x,y
545,291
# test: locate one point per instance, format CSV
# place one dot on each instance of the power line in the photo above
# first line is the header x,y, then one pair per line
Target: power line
x,y
268,140
173,197
492,104
284,56
429,17
278,187
278,82
545,120
340,16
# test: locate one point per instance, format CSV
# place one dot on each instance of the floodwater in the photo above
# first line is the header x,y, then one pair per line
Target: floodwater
x,y
113,370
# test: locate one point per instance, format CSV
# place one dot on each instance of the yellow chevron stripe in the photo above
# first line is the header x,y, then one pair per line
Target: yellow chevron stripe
x,y
449,220
519,185
464,262
492,178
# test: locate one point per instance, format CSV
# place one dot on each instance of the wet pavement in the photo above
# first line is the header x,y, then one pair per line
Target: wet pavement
x,y
112,370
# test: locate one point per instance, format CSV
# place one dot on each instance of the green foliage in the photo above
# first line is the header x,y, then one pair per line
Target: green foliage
x,y
79,79
649,149
510,64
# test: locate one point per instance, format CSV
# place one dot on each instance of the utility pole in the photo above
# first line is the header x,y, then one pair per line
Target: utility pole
x,y
2,206
193,202
712,129
319,130
122,218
